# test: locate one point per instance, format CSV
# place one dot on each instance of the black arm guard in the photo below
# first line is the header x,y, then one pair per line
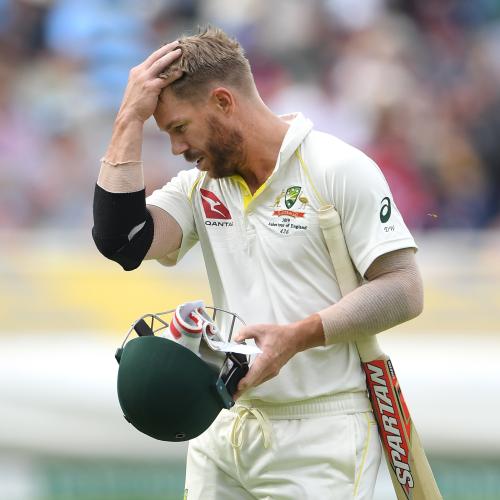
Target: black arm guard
x,y
123,227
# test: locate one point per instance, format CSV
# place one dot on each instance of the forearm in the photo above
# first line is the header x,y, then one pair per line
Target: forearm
x,y
306,333
393,295
121,168
127,177
126,139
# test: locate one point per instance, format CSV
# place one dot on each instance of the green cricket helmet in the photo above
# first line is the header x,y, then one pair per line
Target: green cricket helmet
x,y
167,390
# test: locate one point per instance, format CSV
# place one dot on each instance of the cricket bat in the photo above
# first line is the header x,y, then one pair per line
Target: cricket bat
x,y
409,468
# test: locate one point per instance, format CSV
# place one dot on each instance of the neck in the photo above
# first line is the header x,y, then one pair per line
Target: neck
x,y
264,133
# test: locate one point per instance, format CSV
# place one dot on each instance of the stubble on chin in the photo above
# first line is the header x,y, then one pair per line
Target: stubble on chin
x,y
226,149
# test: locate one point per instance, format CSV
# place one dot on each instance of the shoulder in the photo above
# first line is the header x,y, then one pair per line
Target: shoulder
x,y
188,178
325,153
184,181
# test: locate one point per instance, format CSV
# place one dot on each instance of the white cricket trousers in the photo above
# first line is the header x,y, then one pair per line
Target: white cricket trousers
x,y
319,449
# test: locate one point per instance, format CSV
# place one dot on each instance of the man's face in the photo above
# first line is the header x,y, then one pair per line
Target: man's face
x,y
197,131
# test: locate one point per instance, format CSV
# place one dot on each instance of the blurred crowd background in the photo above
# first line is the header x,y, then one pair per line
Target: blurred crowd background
x,y
416,84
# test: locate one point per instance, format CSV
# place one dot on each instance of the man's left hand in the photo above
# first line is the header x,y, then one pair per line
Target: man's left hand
x,y
278,345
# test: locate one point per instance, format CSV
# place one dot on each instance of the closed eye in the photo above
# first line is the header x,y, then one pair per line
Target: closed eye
x,y
179,129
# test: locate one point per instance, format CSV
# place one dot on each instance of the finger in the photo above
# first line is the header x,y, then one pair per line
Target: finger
x,y
254,375
158,84
157,54
242,387
170,77
245,333
253,378
161,64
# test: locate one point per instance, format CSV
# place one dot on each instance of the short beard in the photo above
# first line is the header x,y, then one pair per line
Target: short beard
x,y
226,149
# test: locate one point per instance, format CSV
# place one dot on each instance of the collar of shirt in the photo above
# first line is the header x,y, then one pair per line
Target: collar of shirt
x,y
296,133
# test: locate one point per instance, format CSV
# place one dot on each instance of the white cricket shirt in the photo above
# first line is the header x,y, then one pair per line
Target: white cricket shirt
x,y
265,256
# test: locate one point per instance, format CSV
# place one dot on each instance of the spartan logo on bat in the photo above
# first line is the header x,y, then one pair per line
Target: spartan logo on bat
x,y
392,418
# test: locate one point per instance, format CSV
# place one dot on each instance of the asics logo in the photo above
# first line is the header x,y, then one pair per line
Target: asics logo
x,y
212,206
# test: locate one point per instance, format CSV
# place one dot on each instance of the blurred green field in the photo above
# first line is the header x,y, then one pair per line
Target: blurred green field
x,y
111,480
459,479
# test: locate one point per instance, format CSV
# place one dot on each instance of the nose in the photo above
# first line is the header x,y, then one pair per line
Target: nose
x,y
178,147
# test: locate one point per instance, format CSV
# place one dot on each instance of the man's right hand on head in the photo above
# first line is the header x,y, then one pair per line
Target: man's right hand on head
x,y
145,85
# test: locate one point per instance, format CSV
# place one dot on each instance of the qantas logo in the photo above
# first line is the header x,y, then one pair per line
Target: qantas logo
x,y
393,419
212,206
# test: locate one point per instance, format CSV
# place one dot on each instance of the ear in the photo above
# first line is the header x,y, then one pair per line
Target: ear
x,y
223,100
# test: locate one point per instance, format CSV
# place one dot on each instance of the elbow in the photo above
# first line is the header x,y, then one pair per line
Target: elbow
x,y
416,307
127,250
123,228
114,249
415,296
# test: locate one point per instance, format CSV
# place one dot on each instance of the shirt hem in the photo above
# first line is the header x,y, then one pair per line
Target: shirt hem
x,y
382,249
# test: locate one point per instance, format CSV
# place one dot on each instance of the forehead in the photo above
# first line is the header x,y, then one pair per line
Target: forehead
x,y
170,109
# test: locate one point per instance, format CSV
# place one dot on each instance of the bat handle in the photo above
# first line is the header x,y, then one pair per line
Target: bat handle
x,y
369,348
329,221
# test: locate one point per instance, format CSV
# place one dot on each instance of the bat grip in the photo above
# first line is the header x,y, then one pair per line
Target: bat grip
x,y
369,349
329,221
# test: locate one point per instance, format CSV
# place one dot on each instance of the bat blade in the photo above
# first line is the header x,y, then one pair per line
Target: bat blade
x,y
408,466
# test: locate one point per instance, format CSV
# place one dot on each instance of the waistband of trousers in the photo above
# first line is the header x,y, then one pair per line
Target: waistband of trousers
x,y
336,404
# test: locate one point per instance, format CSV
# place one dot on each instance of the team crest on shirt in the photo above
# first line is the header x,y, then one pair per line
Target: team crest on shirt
x,y
291,196
288,209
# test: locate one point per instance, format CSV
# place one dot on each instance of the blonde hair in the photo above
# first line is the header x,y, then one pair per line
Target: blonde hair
x,y
210,56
